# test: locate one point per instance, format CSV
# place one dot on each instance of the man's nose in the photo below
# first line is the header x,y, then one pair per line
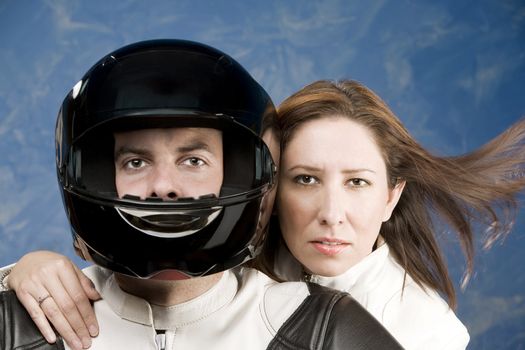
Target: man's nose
x,y
164,184
332,206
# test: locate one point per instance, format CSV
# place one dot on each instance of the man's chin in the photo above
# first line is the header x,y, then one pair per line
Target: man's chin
x,y
170,275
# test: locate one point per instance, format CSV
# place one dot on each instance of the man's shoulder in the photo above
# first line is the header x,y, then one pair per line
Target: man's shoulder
x,y
98,275
298,314
277,300
271,290
281,300
330,319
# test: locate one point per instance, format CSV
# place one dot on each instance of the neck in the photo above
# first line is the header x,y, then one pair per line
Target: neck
x,y
167,292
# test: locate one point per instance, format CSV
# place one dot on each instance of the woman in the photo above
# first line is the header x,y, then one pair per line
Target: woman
x,y
356,199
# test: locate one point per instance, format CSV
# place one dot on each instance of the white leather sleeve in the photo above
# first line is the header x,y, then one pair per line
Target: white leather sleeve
x,y
4,275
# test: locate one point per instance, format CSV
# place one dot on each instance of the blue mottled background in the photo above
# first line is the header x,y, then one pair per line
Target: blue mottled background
x,y
452,70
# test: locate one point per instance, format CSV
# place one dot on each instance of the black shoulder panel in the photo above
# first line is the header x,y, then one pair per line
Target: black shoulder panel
x,y
329,320
17,329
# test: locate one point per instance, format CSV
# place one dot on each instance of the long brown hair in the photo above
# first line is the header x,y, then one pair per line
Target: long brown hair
x,y
478,187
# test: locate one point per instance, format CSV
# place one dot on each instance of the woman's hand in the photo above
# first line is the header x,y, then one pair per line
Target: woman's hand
x,y
52,288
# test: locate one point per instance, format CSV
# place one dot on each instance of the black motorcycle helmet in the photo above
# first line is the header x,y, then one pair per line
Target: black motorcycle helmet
x,y
159,84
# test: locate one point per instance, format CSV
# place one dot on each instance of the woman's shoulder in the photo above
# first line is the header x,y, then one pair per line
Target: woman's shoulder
x,y
420,318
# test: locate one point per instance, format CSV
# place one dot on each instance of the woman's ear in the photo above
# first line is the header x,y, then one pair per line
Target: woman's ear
x,y
393,198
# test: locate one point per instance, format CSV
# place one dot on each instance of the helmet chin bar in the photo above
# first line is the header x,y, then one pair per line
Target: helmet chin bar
x,y
169,224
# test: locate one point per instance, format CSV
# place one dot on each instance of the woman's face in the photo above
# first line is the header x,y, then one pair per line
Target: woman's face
x,y
333,194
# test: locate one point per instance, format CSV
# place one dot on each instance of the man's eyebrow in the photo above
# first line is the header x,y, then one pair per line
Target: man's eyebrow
x,y
130,150
187,148
194,146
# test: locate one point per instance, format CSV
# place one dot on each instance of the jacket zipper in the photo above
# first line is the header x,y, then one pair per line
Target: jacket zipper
x,y
308,277
160,340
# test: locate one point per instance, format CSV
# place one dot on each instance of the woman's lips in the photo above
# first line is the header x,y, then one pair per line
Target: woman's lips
x,y
330,246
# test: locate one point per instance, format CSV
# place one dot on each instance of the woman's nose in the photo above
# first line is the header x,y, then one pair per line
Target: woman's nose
x,y
332,208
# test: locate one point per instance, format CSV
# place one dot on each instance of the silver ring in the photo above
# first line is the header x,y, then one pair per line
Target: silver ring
x,y
42,299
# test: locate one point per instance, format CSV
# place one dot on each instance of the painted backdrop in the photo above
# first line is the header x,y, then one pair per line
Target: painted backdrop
x,y
452,70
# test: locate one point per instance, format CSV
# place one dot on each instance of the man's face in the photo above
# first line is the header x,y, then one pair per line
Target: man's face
x,y
169,163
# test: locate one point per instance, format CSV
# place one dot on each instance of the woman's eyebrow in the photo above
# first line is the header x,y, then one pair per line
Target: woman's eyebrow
x,y
303,167
310,168
359,170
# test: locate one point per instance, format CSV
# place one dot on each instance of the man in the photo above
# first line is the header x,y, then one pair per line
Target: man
x,y
163,176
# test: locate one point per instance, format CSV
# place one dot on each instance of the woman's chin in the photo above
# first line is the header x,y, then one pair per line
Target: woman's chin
x,y
328,270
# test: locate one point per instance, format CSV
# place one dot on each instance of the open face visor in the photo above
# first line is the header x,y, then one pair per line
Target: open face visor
x,y
198,230
164,84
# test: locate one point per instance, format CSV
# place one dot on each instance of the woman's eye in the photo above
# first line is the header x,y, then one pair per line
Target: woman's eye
x,y
194,162
305,180
358,182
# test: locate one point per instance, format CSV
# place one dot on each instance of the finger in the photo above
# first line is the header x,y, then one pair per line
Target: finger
x,y
56,317
37,315
87,285
78,294
67,295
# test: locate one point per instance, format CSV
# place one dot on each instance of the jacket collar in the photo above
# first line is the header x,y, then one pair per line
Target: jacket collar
x,y
359,279
138,310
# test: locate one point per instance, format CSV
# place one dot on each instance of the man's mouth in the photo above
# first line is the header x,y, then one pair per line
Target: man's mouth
x,y
170,275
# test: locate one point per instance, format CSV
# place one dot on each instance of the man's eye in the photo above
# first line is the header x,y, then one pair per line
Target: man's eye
x,y
305,180
135,163
194,162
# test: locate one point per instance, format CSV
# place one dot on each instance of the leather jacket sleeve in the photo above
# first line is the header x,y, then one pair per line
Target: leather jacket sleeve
x,y
17,329
329,320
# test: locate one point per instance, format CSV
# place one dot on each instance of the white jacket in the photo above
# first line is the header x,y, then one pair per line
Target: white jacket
x,y
244,300
417,318
244,310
